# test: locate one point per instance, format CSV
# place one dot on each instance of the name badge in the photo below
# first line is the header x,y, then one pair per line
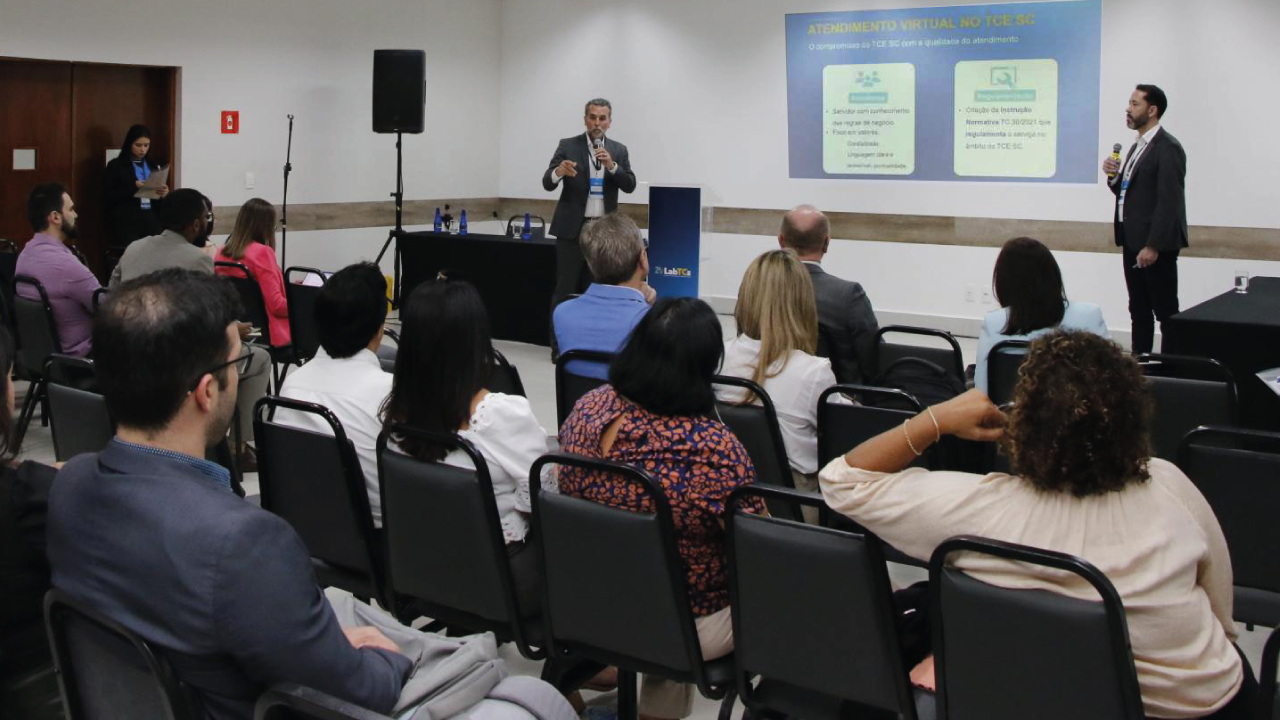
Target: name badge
x,y
1124,190
597,186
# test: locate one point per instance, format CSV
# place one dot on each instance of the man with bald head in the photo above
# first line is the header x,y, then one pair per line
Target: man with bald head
x,y
845,317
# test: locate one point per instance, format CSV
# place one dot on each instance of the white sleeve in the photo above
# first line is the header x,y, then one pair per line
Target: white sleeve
x,y
518,441
821,378
555,179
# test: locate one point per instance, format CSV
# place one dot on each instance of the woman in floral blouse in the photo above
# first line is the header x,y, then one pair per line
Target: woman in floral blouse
x,y
658,413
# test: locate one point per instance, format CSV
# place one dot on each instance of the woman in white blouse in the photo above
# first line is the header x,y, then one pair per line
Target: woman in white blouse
x,y
443,364
777,335
1083,483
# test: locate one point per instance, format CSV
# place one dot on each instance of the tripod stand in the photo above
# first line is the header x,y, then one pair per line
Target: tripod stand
x,y
284,204
398,230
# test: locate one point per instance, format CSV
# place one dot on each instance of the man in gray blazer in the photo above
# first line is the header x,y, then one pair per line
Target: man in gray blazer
x,y
591,169
846,321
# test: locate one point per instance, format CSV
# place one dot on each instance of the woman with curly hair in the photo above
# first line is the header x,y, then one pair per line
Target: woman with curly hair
x,y
1083,483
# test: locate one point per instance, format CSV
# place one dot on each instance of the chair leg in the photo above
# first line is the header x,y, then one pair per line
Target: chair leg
x,y
726,705
44,406
34,391
628,703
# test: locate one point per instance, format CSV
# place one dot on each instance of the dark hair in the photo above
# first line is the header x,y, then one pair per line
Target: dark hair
x,y
1027,281
181,208
350,309
445,357
1080,417
1155,97
126,148
7,355
155,336
668,361
44,199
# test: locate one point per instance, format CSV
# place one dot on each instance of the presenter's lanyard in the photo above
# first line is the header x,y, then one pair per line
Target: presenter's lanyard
x,y
1128,171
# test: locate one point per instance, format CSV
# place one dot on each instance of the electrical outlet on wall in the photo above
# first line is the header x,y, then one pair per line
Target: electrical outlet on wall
x,y
986,297
249,181
971,293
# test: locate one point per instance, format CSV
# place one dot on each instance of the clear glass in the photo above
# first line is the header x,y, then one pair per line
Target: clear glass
x,y
1242,281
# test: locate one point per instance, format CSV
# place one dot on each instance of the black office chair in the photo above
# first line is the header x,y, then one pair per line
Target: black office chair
x,y
1003,362
99,297
304,338
8,270
78,415
1238,472
615,586
105,670
949,358
446,555
571,387
1187,392
290,701
505,377
756,427
813,618
843,427
1268,688
1005,654
37,339
314,481
254,311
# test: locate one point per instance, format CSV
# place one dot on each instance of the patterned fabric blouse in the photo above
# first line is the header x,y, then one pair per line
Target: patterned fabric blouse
x,y
698,462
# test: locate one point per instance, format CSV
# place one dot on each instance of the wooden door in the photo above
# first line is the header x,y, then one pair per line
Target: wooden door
x,y
35,113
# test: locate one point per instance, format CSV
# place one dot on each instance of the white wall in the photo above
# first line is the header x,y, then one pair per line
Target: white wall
x,y
699,92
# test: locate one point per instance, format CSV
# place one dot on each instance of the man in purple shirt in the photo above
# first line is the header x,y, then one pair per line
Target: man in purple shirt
x,y
47,258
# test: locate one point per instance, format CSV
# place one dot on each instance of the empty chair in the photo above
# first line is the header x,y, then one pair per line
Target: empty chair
x,y
615,588
1004,654
1187,392
1002,369
290,701
570,386
1238,472
813,618
37,339
78,415
756,426
106,671
301,299
949,358
314,481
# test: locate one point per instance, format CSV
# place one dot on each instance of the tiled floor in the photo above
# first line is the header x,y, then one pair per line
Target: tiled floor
x,y
537,373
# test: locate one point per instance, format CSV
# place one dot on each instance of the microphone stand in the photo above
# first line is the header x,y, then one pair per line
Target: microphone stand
x,y
284,204
398,230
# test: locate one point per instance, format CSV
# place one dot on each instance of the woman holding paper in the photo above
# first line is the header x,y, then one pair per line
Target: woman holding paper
x,y
132,217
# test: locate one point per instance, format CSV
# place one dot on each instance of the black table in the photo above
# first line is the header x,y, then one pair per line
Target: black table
x,y
1242,331
516,278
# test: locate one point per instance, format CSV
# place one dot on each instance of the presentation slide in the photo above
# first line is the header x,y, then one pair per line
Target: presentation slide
x,y
975,92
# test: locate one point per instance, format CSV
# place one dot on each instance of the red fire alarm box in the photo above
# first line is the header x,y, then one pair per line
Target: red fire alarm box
x,y
230,122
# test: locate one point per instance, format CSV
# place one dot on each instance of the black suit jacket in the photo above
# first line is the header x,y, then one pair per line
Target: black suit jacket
x,y
567,222
224,588
846,317
1155,207
129,221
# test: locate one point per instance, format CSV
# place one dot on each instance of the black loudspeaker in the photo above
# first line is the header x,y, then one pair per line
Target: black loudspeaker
x,y
399,90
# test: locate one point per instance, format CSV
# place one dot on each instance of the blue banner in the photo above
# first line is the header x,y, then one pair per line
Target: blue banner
x,y
675,239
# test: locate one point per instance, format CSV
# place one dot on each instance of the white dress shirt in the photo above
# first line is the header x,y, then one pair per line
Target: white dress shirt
x,y
793,384
595,203
353,388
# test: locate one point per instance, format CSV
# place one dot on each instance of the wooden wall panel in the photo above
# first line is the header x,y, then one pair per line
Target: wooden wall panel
x,y
35,111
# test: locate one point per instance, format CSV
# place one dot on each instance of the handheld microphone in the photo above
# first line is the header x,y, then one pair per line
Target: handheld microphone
x,y
596,144
1115,155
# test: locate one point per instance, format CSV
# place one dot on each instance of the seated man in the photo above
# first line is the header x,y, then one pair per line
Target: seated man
x,y
187,220
845,316
601,318
47,257
345,375
150,534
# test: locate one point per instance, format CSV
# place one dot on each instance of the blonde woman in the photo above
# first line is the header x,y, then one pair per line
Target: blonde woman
x,y
777,336
253,243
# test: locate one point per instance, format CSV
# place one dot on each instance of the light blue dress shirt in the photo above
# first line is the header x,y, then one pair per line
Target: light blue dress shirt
x,y
1078,316
600,319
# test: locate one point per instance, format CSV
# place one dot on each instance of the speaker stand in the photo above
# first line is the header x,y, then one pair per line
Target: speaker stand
x,y
398,230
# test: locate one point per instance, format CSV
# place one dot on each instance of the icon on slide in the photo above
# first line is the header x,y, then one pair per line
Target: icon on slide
x,y
867,80
1004,75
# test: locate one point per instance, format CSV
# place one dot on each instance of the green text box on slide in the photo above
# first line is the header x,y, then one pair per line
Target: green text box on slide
x,y
869,119
1006,118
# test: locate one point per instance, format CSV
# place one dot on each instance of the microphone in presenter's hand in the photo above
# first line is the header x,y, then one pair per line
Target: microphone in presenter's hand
x,y
1115,155
596,144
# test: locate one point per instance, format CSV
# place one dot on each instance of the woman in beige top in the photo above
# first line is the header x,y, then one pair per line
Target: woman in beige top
x,y
1083,484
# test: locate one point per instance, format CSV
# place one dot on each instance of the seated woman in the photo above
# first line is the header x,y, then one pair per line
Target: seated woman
x,y
443,366
1083,483
777,335
131,217
253,244
1028,285
658,412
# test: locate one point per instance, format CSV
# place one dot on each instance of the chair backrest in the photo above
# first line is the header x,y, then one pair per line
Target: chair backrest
x,y
105,670
1187,392
812,608
1003,362
1002,654
290,701
1268,688
602,563
756,427
843,427
505,377
1238,472
37,331
950,358
387,352
446,555
301,300
78,415
314,481
8,269
570,387
253,309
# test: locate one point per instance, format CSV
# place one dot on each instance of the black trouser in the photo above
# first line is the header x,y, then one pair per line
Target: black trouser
x,y
526,573
1153,291
1244,705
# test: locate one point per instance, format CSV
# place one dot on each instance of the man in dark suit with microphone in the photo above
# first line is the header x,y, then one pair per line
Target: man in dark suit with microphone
x,y
1151,214
591,169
